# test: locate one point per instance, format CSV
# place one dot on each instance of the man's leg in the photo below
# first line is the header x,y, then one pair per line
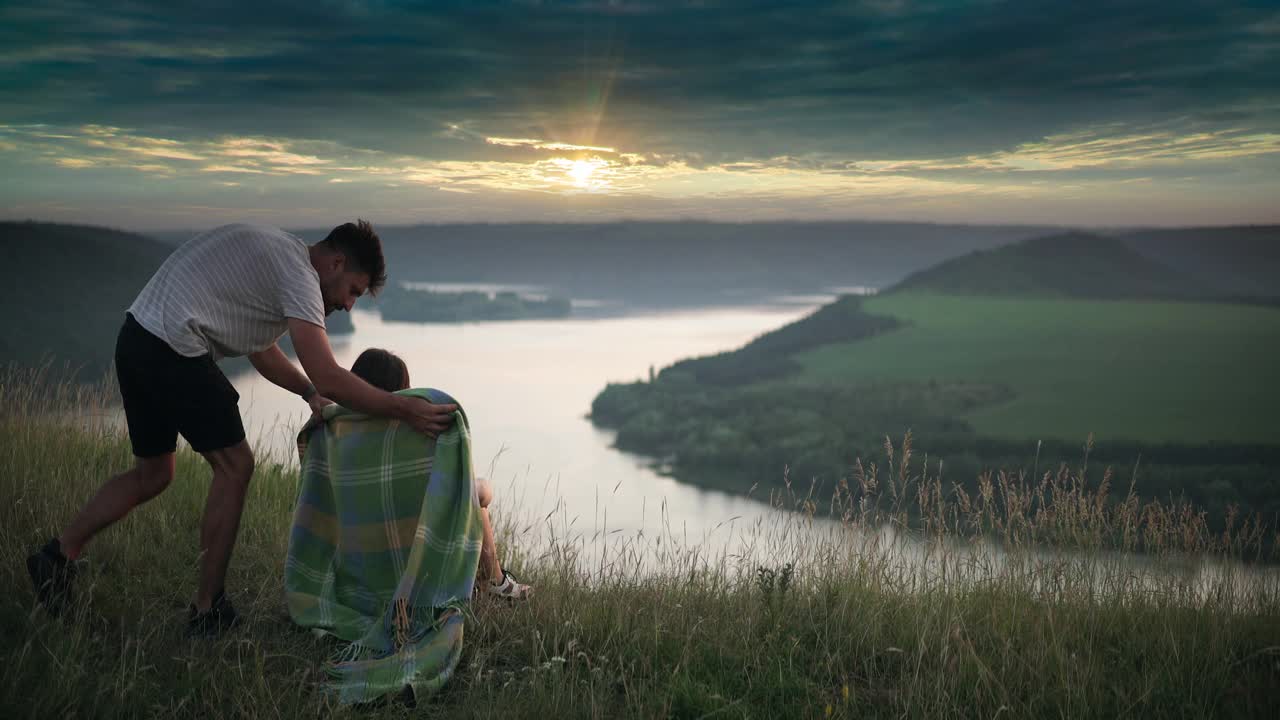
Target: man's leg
x,y
50,567
121,494
232,470
145,368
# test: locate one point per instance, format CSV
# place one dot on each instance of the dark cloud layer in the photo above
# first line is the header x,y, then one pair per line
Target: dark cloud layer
x,y
718,80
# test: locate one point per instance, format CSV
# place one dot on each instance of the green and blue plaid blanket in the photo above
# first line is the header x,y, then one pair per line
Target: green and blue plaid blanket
x,y
384,548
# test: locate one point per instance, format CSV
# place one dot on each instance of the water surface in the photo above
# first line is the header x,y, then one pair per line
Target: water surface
x,y
527,387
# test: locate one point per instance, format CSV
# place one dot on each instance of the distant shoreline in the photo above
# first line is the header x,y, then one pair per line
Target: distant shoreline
x,y
406,305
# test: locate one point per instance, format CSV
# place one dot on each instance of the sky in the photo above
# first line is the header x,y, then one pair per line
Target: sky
x,y
308,113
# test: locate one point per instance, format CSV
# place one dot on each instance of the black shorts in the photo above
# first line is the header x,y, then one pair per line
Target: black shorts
x,y
166,394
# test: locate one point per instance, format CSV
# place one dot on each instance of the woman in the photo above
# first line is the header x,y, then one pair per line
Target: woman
x,y
385,370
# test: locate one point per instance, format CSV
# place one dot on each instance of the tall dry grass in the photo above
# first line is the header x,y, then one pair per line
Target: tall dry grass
x,y
1042,594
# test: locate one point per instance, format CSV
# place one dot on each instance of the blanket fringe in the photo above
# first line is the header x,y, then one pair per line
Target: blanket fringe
x,y
407,631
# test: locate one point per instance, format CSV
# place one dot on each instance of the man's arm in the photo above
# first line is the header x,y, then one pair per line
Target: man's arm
x,y
311,342
274,366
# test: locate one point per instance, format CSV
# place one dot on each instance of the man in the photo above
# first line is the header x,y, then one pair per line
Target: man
x,y
229,292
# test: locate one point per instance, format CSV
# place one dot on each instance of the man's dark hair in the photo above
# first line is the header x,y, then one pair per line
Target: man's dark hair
x,y
363,249
381,369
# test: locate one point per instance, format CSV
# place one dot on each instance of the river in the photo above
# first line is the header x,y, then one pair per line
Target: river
x,y
527,388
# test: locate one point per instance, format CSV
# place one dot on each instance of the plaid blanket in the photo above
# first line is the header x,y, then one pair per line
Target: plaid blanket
x,y
384,548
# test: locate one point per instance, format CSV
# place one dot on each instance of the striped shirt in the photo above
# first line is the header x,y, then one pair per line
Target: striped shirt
x,y
230,291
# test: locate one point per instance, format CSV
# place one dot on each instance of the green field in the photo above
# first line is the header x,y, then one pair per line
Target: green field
x,y
1137,370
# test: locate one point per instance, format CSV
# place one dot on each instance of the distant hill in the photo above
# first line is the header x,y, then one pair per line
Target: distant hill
x,y
675,263
69,286
339,323
1067,265
1229,261
68,289
658,264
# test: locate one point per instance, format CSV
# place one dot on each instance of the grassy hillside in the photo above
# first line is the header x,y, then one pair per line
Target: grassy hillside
x,y
1139,370
69,286
1070,265
851,622
772,355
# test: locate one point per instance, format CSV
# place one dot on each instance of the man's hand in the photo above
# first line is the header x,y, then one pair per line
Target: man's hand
x,y
317,403
428,418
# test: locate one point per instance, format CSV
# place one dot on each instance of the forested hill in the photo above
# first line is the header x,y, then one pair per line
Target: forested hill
x,y
69,287
1069,265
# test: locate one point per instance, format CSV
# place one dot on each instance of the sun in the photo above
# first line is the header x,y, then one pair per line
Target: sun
x,y
582,170
573,175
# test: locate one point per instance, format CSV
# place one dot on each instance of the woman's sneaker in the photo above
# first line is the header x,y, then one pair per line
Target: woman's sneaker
x,y
509,588
51,574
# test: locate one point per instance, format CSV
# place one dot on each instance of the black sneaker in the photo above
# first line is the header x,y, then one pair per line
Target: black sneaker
x,y
51,574
219,617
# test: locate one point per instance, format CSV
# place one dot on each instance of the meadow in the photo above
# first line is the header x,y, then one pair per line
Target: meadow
x,y
1175,396
1137,370
837,624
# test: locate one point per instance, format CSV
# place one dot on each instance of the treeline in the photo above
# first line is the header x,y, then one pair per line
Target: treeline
x,y
397,303
68,291
738,438
338,323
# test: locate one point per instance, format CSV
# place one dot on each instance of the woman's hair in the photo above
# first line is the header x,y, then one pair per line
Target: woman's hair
x,y
381,369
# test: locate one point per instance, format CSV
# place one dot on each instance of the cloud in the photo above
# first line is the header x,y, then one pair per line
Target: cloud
x,y
1099,148
267,152
112,139
546,145
232,169
612,172
715,107
879,80
1119,148
1079,164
